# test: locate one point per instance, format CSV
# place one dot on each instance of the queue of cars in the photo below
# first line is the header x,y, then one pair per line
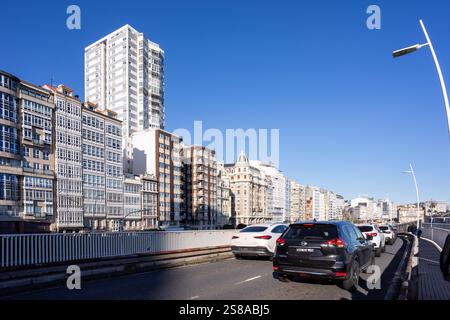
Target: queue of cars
x,y
334,250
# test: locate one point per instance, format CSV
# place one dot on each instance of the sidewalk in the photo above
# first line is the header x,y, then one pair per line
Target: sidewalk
x,y
432,285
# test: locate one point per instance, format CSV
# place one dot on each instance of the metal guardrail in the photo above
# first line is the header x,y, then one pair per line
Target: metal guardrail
x,y
41,249
435,233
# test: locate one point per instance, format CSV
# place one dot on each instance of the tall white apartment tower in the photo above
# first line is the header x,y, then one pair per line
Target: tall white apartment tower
x,y
124,72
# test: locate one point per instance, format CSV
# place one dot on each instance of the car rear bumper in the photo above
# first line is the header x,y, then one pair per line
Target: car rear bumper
x,y
251,251
338,271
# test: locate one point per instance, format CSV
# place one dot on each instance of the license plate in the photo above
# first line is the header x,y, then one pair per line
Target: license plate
x,y
305,250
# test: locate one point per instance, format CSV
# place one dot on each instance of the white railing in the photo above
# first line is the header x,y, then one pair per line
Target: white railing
x,y
41,249
435,233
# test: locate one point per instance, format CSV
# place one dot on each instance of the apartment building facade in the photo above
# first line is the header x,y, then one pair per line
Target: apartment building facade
x,y
27,177
224,216
249,190
149,202
158,152
298,201
68,160
200,187
102,168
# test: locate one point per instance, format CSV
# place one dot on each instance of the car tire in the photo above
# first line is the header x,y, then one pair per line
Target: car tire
x,y
378,252
352,283
238,257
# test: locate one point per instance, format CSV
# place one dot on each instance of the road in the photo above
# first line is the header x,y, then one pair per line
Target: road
x,y
228,280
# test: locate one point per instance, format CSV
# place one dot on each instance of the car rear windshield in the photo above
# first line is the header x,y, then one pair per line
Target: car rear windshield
x,y
254,229
365,228
312,231
384,228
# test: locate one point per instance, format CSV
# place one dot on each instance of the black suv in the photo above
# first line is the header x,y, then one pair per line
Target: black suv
x,y
334,250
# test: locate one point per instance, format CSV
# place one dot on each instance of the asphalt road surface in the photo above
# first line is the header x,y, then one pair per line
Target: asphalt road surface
x,y
228,280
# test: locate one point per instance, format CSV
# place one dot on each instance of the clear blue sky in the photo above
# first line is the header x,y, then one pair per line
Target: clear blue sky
x,y
351,118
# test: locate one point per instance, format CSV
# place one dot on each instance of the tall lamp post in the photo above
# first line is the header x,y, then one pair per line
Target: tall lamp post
x,y
411,171
416,47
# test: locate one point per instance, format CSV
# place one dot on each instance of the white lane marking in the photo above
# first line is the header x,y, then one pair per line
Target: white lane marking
x,y
194,297
248,280
434,243
428,260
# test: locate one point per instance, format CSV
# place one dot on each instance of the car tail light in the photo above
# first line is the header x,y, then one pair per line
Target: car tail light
x,y
263,237
274,268
308,225
235,237
341,274
281,242
336,242
372,234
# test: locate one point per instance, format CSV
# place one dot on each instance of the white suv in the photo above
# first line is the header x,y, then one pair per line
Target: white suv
x,y
258,240
378,238
389,234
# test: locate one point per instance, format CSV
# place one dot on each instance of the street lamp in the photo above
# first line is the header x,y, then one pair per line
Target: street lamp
x,y
411,171
414,48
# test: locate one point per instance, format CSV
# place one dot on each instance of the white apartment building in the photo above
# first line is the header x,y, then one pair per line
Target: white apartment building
x,y
158,152
68,159
102,168
280,203
364,208
331,206
315,204
124,72
223,196
132,203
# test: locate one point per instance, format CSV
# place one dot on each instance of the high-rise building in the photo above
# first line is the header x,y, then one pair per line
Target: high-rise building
x,y
124,72
158,152
200,187
102,168
68,159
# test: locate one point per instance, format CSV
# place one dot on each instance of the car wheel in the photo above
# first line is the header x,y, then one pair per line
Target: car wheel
x,y
238,257
352,283
378,252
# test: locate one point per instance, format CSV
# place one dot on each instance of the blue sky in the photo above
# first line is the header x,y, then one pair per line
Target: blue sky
x,y
351,118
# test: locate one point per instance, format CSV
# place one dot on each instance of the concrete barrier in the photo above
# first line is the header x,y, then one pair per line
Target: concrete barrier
x,y
31,279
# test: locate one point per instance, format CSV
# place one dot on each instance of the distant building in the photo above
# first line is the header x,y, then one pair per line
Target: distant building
x,y
298,201
223,197
249,189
